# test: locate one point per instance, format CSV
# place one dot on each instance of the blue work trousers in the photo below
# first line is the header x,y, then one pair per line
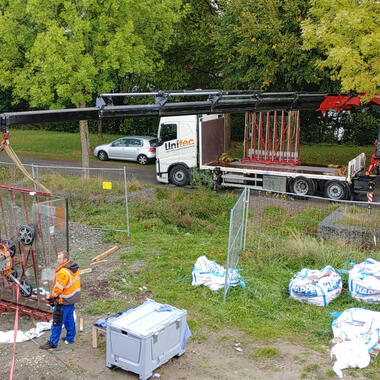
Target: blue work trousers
x,y
67,321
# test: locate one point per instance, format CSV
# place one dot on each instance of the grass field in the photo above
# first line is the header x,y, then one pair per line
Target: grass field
x,y
54,145
169,233
171,230
60,145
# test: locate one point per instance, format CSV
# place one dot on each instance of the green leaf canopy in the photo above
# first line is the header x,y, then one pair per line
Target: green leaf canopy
x,y
57,53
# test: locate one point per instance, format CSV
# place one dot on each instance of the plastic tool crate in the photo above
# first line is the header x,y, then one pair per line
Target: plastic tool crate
x,y
146,337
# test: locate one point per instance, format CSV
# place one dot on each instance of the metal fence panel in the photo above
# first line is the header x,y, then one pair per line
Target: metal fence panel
x,y
79,184
281,224
236,236
283,214
44,219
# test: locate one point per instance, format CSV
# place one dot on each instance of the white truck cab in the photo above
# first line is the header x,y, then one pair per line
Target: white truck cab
x,y
178,147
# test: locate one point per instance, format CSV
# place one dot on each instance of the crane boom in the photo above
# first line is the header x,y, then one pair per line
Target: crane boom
x,y
168,103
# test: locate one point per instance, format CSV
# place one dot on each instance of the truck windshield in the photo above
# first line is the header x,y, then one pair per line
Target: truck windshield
x,y
168,132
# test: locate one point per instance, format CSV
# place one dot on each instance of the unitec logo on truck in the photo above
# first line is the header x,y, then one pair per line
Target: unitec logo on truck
x,y
178,144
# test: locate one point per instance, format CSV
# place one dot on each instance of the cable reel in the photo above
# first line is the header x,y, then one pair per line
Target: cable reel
x,y
26,236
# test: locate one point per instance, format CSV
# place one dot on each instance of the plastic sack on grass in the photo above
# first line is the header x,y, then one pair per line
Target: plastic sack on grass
x,y
23,336
209,273
364,281
358,331
317,287
349,355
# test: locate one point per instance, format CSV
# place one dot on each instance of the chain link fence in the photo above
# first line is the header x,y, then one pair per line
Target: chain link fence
x,y
236,236
84,188
283,225
282,216
33,228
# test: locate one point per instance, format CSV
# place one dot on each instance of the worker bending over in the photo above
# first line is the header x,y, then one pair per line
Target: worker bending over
x,y
65,293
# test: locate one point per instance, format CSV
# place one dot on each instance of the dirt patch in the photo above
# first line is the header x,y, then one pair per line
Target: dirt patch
x,y
136,267
212,357
100,291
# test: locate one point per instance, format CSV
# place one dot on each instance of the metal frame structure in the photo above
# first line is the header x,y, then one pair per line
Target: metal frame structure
x,y
272,137
32,259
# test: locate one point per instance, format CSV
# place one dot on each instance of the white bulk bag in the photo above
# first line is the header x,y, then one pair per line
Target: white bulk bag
x,y
210,274
359,332
317,287
364,281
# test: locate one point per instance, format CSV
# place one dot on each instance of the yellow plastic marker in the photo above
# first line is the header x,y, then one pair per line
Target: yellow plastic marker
x,y
107,185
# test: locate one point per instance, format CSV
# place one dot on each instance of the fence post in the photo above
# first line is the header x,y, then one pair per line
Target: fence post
x,y
67,225
246,215
126,198
34,178
226,281
37,175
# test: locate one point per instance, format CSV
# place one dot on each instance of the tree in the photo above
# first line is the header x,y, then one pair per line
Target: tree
x,y
190,61
348,33
259,46
59,53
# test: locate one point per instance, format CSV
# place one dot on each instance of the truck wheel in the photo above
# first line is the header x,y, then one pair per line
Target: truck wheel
x,y
179,175
335,190
102,155
302,186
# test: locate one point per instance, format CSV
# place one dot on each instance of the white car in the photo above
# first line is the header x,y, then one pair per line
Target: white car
x,y
130,148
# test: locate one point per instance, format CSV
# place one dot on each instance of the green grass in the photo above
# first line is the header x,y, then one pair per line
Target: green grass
x,y
172,229
169,232
312,367
53,145
359,216
265,353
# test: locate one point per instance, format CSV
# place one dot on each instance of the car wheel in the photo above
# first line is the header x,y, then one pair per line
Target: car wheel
x,y
335,190
302,186
102,155
179,175
142,159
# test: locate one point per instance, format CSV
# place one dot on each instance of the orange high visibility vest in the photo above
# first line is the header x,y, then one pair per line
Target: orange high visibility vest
x,y
67,284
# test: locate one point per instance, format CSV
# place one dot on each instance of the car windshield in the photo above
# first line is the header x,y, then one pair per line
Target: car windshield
x,y
153,142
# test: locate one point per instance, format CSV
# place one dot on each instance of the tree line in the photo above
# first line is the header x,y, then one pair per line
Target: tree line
x,y
61,53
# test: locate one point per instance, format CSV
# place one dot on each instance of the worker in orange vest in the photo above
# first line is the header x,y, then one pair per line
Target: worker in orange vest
x,y
65,293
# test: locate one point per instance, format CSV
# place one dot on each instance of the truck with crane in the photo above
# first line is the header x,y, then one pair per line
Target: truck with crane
x,y
192,135
271,154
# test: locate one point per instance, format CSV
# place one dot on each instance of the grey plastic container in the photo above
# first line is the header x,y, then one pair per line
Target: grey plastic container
x,y
144,338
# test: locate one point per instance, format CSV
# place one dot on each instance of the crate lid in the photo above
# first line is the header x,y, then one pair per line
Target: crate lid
x,y
147,318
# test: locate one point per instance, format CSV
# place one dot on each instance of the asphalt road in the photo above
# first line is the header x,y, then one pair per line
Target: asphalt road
x,y
145,174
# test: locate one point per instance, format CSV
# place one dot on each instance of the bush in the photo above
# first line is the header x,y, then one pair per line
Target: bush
x,y
357,128
360,128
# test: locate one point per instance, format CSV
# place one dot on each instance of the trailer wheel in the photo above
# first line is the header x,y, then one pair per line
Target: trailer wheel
x,y
335,190
302,186
179,175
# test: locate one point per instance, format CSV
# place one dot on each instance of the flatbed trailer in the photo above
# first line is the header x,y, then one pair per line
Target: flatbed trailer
x,y
259,176
189,142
